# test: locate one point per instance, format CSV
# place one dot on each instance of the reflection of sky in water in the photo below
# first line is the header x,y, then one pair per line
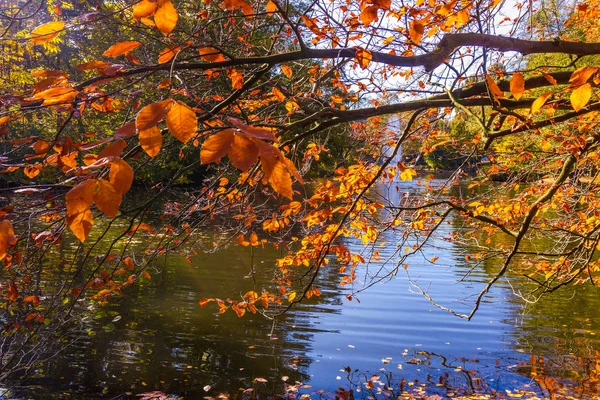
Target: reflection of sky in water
x,y
165,341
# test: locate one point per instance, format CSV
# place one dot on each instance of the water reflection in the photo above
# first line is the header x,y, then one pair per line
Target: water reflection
x,y
156,337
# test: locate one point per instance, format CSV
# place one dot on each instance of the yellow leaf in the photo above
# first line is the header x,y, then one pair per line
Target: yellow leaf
x,y
152,114
581,96
243,153
144,8
45,33
216,146
407,174
291,296
517,85
363,57
7,237
447,8
81,224
210,54
494,89
120,176
107,199
277,174
166,17
121,48
168,53
151,141
539,102
287,70
182,122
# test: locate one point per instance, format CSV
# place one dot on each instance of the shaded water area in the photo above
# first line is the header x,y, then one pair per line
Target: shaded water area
x,y
156,337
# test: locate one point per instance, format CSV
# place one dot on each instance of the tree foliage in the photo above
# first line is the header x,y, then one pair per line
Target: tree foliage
x,y
94,93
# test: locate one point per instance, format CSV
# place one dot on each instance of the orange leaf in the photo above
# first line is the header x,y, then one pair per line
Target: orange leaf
x,y
517,85
210,54
13,292
311,24
152,114
46,32
126,130
216,146
168,53
550,79
237,78
238,4
369,15
121,176
271,7
581,76
243,153
280,96
166,17
56,95
129,263
7,237
204,301
494,89
277,175
292,168
259,133
107,199
121,48
113,150
81,224
34,300
417,28
363,57
151,141
287,70
539,102
41,147
144,8
182,121
80,197
31,171
97,65
581,96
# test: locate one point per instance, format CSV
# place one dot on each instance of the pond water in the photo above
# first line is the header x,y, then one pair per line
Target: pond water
x,y
156,337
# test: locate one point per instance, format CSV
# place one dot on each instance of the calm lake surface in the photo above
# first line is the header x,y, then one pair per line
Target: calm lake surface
x,y
156,337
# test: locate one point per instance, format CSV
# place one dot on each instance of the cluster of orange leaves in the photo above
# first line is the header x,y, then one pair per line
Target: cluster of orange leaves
x,y
244,146
250,299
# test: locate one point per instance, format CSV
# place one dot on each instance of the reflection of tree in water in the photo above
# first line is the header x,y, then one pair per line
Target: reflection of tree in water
x,y
558,329
163,340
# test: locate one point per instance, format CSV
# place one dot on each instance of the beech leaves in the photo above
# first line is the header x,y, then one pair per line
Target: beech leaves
x,y
107,194
244,146
181,122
